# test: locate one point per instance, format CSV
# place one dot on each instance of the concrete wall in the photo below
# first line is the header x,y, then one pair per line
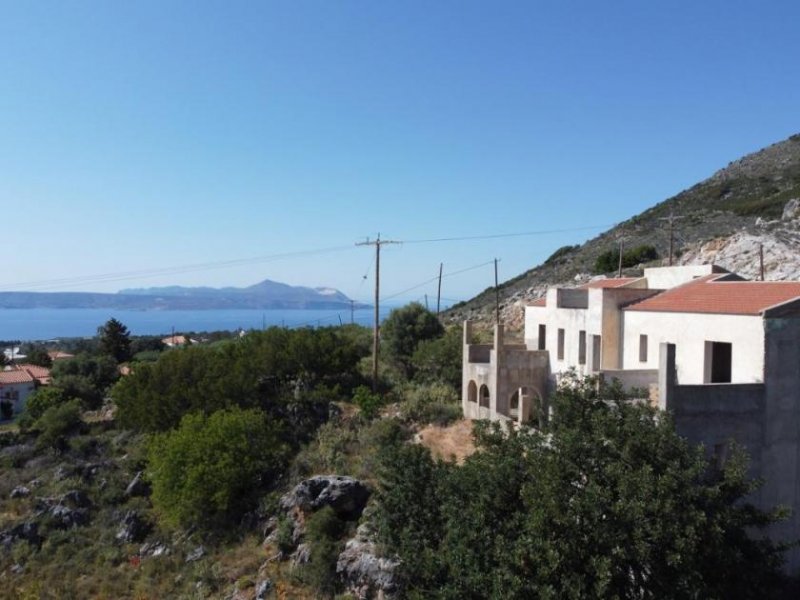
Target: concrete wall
x,y
663,278
780,459
635,379
509,368
689,332
763,418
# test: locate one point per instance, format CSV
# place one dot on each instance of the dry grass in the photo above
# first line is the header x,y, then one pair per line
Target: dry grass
x,y
453,442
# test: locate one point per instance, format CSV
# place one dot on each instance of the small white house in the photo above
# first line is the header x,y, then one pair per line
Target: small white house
x,y
17,382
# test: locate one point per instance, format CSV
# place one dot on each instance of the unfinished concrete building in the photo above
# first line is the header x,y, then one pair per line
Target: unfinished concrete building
x,y
720,353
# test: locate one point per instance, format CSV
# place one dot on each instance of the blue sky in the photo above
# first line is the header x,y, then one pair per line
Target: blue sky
x,y
138,136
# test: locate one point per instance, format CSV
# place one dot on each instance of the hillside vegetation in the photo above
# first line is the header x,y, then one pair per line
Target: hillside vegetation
x,y
746,196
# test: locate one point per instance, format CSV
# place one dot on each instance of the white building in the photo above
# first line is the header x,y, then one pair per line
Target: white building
x,y
17,382
720,353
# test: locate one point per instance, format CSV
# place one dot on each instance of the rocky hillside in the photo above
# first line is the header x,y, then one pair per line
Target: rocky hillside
x,y
754,200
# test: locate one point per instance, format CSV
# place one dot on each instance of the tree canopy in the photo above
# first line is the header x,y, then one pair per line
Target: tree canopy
x,y
608,502
115,340
210,468
252,372
404,329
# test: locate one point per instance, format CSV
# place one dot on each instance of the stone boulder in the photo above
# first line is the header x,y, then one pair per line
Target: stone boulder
x,y
366,574
263,588
66,511
196,554
133,528
345,495
20,492
137,487
791,210
154,548
27,531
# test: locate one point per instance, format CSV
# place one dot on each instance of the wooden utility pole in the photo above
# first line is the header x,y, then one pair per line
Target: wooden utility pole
x,y
376,331
621,246
761,260
439,291
671,220
496,296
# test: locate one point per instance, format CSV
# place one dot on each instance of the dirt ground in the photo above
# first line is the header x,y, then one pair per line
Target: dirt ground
x,y
448,443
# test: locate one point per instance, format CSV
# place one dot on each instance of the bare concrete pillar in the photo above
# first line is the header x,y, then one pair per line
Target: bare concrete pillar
x,y
666,374
498,336
467,332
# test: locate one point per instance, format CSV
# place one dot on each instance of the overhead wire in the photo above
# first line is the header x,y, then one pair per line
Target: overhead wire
x,y
126,275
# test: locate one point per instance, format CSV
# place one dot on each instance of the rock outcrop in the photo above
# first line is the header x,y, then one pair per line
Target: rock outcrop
x,y
345,495
365,574
133,528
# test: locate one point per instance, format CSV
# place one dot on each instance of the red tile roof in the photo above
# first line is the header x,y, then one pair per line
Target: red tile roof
x,y
718,294
15,376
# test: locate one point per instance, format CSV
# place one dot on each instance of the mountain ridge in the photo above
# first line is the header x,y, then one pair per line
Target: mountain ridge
x,y
747,197
265,294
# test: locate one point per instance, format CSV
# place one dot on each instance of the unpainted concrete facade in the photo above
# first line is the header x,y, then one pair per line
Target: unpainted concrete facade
x,y
502,381
589,331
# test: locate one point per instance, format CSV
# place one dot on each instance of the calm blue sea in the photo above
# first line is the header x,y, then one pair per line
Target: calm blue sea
x,y
49,323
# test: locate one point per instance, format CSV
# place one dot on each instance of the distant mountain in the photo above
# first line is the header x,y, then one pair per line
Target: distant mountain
x,y
264,295
754,200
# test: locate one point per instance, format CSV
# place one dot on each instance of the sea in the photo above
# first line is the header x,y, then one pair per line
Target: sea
x,y
38,324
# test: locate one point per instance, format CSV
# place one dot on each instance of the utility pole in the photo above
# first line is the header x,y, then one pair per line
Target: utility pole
x,y
671,220
496,296
426,301
621,246
761,260
439,291
376,331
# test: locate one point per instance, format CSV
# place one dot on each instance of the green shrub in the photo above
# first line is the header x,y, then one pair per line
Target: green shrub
x,y
56,423
609,261
323,531
42,399
561,253
211,467
369,402
435,403
439,359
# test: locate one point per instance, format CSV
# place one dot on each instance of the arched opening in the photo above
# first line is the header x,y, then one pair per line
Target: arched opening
x,y
484,396
472,392
526,405
513,405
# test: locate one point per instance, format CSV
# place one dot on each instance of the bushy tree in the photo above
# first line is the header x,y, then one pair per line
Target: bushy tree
x,y
42,399
609,261
404,329
85,377
608,503
268,370
439,359
115,340
37,355
209,469
56,423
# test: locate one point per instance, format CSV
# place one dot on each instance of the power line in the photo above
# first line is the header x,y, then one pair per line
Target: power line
x,y
124,275
505,235
432,279
44,284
